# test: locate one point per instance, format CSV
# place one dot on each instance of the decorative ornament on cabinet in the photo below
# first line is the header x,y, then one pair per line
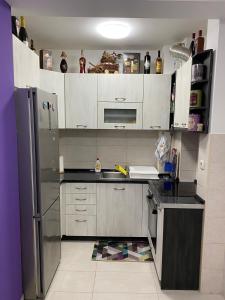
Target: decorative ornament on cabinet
x,y
32,45
46,60
63,64
82,62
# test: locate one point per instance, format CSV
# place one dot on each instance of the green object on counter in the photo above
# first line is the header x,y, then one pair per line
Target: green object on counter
x,y
196,98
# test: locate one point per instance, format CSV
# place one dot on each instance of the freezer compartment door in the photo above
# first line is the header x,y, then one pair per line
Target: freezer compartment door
x,y
50,244
49,181
47,143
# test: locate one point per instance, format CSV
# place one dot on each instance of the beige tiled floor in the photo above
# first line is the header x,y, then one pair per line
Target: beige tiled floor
x,y
79,278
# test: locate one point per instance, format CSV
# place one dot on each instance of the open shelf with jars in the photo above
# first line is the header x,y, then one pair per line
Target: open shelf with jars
x,y
200,93
202,69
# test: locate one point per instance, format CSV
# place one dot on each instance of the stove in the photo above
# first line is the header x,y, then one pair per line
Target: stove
x,y
170,188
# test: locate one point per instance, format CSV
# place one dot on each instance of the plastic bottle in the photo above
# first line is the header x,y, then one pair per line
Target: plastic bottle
x,y
98,166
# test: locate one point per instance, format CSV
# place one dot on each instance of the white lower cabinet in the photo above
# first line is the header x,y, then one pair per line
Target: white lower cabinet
x,y
80,209
105,209
89,210
119,115
119,210
79,225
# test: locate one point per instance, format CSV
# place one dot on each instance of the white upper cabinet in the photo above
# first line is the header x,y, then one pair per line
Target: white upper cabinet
x,y
119,115
81,100
53,82
120,87
156,107
26,65
182,97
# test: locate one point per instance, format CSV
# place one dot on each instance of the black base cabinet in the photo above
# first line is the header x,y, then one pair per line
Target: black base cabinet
x,y
181,254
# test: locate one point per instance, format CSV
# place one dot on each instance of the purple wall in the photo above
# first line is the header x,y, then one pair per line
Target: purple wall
x,y
10,264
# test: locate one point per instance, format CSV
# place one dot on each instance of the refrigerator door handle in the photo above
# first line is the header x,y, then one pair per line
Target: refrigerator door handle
x,y
38,257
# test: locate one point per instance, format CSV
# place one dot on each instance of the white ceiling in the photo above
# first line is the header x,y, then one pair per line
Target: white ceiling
x,y
79,33
121,8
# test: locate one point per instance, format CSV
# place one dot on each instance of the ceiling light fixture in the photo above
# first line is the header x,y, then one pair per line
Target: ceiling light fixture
x,y
114,30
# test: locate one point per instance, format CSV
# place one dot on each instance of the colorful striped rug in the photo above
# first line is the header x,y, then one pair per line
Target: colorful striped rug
x,y
135,251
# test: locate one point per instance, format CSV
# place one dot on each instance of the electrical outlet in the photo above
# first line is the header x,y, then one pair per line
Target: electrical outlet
x,y
202,165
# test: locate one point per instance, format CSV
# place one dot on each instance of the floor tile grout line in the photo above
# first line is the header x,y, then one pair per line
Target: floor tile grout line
x,y
94,282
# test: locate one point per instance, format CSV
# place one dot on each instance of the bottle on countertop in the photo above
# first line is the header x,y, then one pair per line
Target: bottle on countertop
x,y
147,63
158,64
192,45
82,62
23,36
98,166
199,42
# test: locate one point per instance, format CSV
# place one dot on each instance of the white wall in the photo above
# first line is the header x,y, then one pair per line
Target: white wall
x,y
211,179
92,56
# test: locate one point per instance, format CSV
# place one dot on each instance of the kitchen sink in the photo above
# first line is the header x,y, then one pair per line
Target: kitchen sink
x,y
112,175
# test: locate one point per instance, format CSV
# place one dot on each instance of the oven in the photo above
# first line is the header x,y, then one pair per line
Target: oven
x,y
155,230
152,218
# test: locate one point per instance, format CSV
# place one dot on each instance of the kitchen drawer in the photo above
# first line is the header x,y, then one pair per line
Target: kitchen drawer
x,y
80,225
80,198
81,188
89,210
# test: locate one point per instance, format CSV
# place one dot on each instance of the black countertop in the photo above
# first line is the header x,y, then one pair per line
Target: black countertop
x,y
79,175
181,194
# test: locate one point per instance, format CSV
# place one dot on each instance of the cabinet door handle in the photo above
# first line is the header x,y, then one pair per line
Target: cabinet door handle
x,y
82,126
80,209
120,126
81,188
184,124
78,199
80,221
119,189
156,126
120,99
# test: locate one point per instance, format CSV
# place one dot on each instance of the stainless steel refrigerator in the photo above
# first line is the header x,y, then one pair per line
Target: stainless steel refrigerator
x,y
38,159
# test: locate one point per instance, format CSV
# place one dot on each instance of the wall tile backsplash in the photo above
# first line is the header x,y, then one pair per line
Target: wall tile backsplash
x,y
81,148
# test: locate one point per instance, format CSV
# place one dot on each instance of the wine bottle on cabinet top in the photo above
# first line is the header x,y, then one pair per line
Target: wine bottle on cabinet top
x,y
199,42
147,63
192,45
23,36
158,64
82,62
14,26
